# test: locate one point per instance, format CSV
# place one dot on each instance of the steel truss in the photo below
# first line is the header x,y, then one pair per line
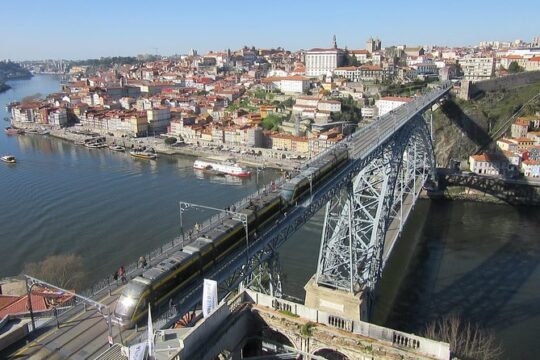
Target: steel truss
x,y
363,221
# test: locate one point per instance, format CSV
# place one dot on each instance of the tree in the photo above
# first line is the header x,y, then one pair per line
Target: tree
x,y
271,122
514,68
467,341
65,271
170,140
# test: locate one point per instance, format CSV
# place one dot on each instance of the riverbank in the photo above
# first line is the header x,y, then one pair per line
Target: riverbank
x,y
158,144
462,194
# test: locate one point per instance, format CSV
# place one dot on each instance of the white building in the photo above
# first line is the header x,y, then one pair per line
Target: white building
x,y
58,117
323,61
369,112
389,103
329,105
489,164
478,68
531,168
289,84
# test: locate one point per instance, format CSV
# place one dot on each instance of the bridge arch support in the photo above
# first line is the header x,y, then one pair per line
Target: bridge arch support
x,y
362,223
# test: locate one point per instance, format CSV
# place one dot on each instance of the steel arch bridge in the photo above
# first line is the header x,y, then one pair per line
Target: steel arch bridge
x,y
364,221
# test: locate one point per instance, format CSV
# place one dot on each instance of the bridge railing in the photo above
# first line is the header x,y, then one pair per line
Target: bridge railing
x,y
435,349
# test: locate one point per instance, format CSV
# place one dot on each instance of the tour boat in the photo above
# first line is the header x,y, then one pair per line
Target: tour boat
x,y
143,154
10,159
228,169
13,131
115,147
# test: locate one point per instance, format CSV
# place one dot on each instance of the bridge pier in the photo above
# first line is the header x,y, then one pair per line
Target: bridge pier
x,y
342,303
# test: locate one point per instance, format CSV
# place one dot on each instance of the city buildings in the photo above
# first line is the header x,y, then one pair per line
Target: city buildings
x,y
323,61
478,68
388,103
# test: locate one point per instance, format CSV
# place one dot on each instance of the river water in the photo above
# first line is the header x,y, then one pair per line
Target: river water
x,y
480,260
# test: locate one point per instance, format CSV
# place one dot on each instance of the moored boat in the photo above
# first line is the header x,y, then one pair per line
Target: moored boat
x,y
10,159
227,169
95,145
10,130
143,154
116,147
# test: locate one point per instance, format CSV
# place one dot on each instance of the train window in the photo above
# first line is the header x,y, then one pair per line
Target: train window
x,y
287,194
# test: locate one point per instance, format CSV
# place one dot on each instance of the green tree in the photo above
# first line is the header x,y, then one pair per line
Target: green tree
x,y
272,122
170,140
289,102
514,68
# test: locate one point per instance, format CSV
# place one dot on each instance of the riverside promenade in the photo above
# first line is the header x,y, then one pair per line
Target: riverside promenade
x,y
267,159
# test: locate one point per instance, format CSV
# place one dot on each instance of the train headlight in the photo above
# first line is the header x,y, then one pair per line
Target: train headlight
x,y
127,302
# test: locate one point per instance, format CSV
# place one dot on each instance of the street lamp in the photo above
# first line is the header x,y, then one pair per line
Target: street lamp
x,y
243,218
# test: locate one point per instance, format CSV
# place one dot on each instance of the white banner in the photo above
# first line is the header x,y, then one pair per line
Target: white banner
x,y
150,334
137,351
209,297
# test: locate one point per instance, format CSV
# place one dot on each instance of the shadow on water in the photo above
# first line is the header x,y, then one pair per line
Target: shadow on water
x,y
424,264
481,295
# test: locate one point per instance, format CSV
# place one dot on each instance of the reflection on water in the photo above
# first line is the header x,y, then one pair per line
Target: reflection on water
x,y
220,179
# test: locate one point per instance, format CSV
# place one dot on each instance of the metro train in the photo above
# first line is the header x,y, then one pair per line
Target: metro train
x,y
158,283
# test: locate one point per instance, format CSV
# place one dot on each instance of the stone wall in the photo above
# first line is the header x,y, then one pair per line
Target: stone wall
x,y
469,89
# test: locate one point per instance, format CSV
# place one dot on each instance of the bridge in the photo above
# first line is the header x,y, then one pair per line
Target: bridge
x,y
367,199
510,191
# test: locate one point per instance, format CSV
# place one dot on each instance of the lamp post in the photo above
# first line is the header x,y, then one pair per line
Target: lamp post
x,y
243,218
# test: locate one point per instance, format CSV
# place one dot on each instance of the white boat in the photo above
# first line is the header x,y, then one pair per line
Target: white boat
x,y
228,169
115,147
95,145
10,159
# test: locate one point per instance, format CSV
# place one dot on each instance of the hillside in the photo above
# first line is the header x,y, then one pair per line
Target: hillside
x,y
460,127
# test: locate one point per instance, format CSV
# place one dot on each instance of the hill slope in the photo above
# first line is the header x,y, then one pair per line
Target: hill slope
x,y
460,127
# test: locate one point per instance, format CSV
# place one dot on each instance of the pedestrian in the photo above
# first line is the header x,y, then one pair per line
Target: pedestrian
x,y
142,262
233,208
115,276
122,274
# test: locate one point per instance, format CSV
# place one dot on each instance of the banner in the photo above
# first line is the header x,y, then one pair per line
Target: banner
x,y
150,334
137,351
210,298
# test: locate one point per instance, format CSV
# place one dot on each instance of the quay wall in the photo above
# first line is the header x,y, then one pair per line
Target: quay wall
x,y
469,89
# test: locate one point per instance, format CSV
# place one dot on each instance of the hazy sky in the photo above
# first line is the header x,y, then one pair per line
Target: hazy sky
x,y
77,29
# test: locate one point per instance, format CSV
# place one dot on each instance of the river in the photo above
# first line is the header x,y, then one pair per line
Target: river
x,y
477,259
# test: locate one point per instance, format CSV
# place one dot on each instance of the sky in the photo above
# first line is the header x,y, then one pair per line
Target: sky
x,y
81,29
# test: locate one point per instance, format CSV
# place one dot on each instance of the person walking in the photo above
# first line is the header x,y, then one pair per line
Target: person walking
x,y
122,274
142,262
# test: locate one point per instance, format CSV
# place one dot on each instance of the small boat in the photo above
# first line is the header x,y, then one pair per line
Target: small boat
x,y
13,131
143,154
44,132
115,147
217,168
95,145
31,131
10,159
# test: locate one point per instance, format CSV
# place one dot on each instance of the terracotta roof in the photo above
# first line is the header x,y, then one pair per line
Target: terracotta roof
x,y
6,300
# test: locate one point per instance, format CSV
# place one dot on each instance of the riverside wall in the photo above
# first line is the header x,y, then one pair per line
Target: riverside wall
x,y
469,89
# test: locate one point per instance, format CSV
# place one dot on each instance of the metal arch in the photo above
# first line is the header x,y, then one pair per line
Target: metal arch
x,y
352,248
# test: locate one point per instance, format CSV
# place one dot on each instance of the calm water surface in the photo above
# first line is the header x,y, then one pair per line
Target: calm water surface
x,y
480,260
